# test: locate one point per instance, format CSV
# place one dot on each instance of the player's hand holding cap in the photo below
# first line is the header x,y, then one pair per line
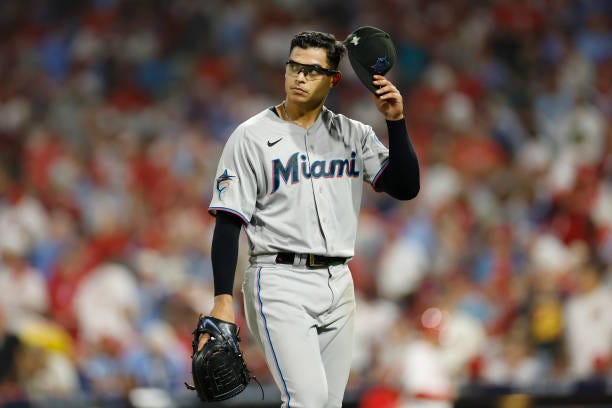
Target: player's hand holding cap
x,y
371,52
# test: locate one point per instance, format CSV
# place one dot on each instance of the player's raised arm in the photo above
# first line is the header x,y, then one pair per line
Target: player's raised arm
x,y
401,177
372,54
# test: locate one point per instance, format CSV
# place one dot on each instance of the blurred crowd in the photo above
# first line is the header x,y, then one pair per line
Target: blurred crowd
x,y
113,114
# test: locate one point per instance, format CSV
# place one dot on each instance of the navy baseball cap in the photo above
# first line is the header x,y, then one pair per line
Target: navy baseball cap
x,y
370,52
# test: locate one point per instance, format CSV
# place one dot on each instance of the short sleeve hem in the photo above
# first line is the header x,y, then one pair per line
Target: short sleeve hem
x,y
213,211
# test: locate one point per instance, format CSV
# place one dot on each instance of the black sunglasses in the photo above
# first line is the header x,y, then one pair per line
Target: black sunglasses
x,y
309,70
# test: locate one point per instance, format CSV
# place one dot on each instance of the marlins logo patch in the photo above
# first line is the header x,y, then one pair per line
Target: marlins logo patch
x,y
382,66
223,182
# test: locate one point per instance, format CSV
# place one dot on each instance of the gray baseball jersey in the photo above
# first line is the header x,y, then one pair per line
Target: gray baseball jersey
x,y
298,190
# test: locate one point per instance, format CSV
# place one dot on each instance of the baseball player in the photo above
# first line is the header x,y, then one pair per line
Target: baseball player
x,y
292,177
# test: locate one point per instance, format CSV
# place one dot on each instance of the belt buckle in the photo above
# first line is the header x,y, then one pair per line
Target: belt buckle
x,y
311,262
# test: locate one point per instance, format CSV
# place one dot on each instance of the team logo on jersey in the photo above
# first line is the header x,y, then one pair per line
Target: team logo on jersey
x,y
297,166
223,182
382,65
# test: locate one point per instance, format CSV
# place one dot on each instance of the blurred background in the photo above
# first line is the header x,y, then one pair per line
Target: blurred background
x,y
492,288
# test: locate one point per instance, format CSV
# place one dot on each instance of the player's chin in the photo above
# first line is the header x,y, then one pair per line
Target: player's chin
x,y
298,98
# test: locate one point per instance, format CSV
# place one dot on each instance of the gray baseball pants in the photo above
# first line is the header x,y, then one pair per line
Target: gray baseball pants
x,y
302,319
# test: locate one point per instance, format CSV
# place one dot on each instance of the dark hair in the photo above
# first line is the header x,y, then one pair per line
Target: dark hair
x,y
315,39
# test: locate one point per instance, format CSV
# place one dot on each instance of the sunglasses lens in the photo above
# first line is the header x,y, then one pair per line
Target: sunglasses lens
x,y
310,71
292,67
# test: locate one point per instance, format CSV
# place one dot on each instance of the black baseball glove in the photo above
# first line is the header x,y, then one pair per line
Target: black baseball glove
x,y
219,371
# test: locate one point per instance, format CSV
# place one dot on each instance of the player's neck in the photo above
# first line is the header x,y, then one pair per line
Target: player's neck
x,y
302,116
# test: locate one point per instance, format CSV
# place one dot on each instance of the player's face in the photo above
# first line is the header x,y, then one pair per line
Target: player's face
x,y
303,84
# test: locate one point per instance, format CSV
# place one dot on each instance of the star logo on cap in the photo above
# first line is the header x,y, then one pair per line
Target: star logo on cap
x,y
355,40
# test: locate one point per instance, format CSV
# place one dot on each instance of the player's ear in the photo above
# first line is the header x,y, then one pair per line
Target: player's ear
x,y
335,79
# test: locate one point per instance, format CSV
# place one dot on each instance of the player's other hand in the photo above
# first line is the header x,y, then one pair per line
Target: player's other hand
x,y
223,309
388,99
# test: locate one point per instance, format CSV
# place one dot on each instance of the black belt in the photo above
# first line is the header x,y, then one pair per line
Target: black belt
x,y
312,260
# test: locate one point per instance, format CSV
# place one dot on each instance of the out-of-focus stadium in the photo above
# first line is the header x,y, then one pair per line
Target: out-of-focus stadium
x,y
493,288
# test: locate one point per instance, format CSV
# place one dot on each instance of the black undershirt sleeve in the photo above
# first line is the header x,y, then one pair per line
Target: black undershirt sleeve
x,y
401,178
224,251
